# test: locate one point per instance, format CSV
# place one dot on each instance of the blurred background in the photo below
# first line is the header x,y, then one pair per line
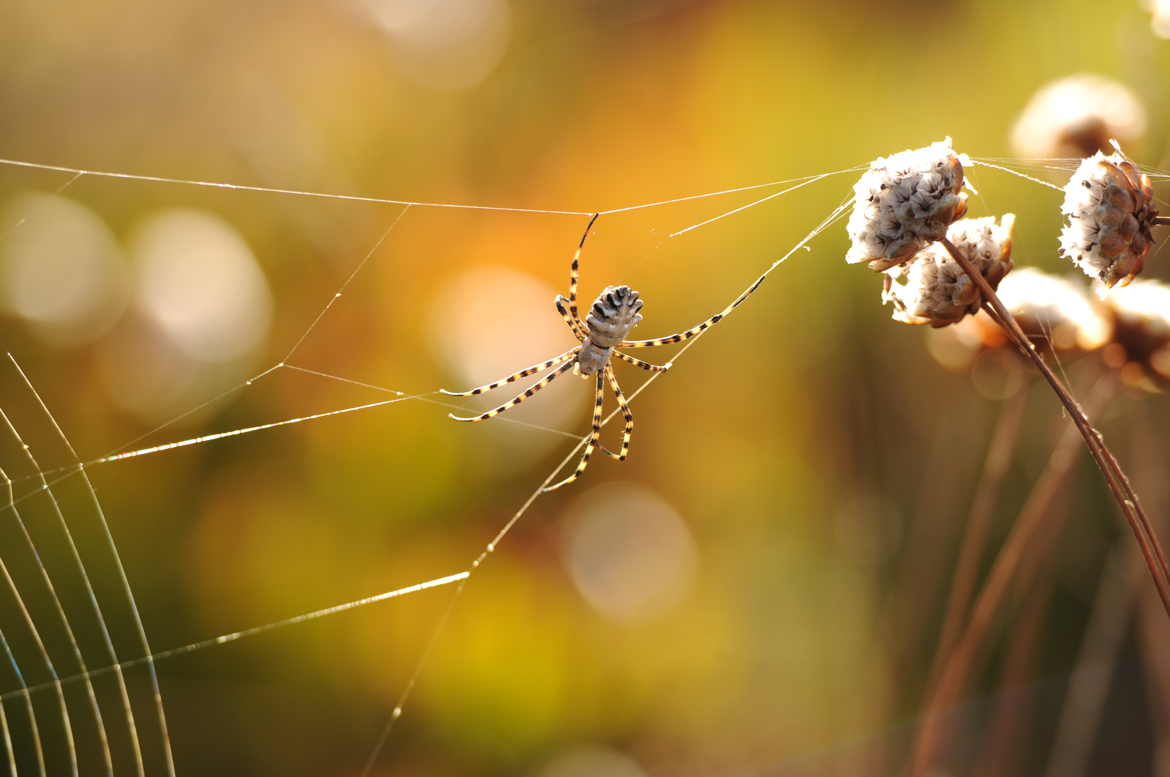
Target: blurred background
x,y
759,590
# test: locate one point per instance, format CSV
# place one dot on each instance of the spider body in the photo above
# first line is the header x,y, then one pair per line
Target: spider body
x,y
613,314
600,337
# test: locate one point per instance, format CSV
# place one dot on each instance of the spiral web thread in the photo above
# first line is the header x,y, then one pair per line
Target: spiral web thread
x,y
21,489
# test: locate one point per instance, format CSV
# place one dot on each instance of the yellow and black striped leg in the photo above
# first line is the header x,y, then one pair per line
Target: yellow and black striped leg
x,y
675,338
574,325
687,335
628,432
594,436
524,373
535,387
642,364
575,269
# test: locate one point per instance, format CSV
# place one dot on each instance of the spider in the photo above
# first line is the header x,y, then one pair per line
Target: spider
x,y
613,314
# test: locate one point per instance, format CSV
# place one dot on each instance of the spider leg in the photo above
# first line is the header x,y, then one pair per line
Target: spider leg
x,y
594,436
628,432
535,387
675,338
572,323
642,364
688,334
524,373
574,270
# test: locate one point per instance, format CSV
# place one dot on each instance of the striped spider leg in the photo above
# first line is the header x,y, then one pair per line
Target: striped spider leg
x,y
562,363
689,333
594,435
639,363
566,361
600,335
574,273
524,373
628,432
602,327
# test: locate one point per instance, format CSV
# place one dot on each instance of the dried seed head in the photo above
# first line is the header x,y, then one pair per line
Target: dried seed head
x,y
903,202
1141,329
1077,116
1110,207
1159,17
1054,312
933,289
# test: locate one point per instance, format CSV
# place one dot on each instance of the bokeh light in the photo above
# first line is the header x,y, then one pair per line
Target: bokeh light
x,y
446,44
200,284
481,325
590,762
629,553
202,310
63,270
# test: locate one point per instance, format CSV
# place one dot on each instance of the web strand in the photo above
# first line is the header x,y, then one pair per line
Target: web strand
x,y
35,633
5,732
34,727
427,398
721,192
128,450
288,192
762,200
123,579
235,636
170,446
78,173
408,689
1018,174
491,547
70,636
459,577
345,285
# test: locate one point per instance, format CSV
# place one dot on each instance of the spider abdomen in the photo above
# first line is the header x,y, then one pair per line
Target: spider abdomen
x,y
613,314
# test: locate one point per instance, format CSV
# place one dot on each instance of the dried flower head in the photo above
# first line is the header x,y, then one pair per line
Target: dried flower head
x,y
1110,207
1159,17
904,202
1078,116
1054,312
933,289
1141,329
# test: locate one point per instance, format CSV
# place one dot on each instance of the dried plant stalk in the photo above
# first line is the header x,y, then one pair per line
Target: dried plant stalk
x,y
959,663
978,527
1015,707
1089,684
1119,484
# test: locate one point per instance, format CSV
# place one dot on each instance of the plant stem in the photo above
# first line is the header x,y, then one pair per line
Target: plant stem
x,y
999,453
1014,712
1088,685
1118,483
1026,538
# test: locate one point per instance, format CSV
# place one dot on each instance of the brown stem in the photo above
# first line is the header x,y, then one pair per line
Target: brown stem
x,y
1008,563
1088,686
1014,709
978,527
1152,633
1163,220
1118,483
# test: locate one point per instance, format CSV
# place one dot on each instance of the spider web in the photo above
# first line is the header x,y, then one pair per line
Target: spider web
x,y
40,709
38,717
39,714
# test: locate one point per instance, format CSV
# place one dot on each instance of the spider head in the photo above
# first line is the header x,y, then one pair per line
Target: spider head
x,y
613,314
